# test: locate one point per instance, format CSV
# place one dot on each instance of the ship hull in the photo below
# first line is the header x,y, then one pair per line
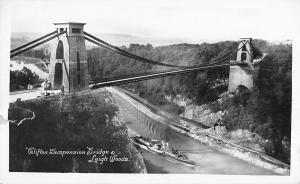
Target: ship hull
x,y
168,155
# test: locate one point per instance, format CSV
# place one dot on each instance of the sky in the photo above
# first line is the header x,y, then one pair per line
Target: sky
x,y
165,19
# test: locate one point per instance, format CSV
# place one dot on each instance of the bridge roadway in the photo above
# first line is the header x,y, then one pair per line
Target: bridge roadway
x,y
140,77
38,94
32,94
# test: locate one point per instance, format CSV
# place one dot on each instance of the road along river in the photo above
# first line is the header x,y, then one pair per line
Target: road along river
x,y
207,159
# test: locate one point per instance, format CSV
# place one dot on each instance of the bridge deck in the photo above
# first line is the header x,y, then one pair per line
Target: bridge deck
x,y
124,80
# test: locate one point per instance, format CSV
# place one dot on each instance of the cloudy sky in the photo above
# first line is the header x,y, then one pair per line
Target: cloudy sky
x,y
167,19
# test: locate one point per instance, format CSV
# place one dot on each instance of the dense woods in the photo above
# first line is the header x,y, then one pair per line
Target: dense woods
x,y
21,79
105,64
77,124
274,83
265,110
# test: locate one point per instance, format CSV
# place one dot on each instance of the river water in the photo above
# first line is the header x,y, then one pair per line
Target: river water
x,y
207,159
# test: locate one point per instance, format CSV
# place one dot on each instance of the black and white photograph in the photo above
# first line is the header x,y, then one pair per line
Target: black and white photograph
x,y
149,87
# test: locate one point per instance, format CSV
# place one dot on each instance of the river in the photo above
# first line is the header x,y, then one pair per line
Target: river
x,y
207,159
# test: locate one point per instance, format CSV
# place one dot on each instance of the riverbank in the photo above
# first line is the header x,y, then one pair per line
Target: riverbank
x,y
220,144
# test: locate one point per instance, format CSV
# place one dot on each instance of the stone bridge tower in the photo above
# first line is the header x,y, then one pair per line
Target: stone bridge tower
x,y
242,75
68,63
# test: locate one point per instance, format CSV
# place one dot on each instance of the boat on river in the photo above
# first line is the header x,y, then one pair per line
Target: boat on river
x,y
161,148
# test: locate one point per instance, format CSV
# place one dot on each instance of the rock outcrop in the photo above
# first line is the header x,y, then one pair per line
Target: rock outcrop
x,y
203,114
243,137
247,139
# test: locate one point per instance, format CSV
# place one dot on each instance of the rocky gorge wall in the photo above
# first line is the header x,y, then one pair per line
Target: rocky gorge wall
x,y
206,116
242,136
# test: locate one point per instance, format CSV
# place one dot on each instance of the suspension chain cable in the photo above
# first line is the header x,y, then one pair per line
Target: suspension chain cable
x,y
35,45
253,48
32,42
209,65
127,55
231,54
104,44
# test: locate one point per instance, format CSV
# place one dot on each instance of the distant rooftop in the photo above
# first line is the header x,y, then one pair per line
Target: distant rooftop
x,y
69,23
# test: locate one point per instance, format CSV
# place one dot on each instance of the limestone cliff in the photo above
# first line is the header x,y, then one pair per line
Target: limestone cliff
x,y
208,116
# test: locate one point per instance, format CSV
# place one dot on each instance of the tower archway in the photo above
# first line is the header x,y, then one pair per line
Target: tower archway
x,y
60,50
58,76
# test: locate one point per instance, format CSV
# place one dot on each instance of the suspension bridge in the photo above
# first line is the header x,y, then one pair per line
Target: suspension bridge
x,y
68,66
